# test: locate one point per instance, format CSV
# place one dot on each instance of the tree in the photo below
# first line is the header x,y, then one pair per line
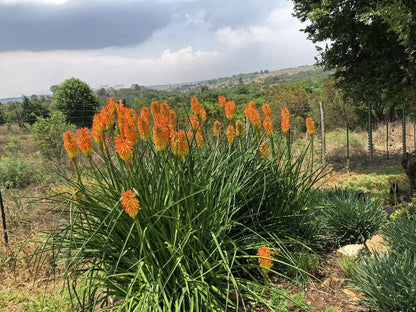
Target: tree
x,y
32,109
362,47
294,97
77,101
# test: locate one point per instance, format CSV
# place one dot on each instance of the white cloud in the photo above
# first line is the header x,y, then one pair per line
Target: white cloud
x,y
34,72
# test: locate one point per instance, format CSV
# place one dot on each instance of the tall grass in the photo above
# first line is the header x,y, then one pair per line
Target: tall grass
x,y
201,217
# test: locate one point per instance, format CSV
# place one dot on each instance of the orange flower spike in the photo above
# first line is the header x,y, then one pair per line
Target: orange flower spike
x,y
202,115
310,126
264,150
130,203
85,142
193,120
160,136
217,128
145,114
174,142
173,119
199,139
123,148
268,126
285,120
239,128
222,100
155,108
195,105
230,134
183,146
254,117
108,117
70,145
143,127
230,110
98,128
267,112
247,109
131,132
252,105
164,109
265,259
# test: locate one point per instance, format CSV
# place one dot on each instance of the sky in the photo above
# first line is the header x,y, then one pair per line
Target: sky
x,y
113,43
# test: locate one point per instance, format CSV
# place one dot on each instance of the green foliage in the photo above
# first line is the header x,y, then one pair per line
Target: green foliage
x,y
294,97
32,109
364,49
401,235
77,101
388,281
48,135
348,217
193,244
17,172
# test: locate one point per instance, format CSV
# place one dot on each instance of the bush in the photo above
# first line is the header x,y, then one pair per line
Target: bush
x,y
401,235
348,217
17,172
388,281
48,135
192,223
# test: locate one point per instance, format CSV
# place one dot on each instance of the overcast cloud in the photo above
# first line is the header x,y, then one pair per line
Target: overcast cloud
x,y
108,42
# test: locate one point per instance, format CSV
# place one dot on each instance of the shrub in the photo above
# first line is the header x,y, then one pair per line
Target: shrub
x,y
48,135
348,217
401,235
160,230
17,172
388,281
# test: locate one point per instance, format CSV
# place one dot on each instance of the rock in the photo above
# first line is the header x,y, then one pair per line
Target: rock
x,y
351,251
351,294
376,243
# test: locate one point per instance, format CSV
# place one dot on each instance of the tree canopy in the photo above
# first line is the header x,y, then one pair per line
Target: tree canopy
x,y
77,101
370,44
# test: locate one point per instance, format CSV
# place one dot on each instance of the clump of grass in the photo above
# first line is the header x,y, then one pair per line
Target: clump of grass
x,y
348,217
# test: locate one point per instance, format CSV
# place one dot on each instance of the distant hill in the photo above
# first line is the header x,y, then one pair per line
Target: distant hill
x,y
307,73
16,99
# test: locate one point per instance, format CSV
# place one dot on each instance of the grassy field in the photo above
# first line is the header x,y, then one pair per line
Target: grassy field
x,y
27,288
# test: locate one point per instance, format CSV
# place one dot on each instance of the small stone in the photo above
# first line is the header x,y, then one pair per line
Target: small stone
x,y
350,294
351,251
376,243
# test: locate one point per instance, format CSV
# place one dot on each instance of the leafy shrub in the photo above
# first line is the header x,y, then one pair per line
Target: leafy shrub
x,y
17,172
388,281
400,235
350,218
48,135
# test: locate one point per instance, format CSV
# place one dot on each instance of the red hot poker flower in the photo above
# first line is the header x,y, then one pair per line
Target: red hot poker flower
x,y
310,126
265,258
230,134
70,145
267,112
85,142
130,203
230,110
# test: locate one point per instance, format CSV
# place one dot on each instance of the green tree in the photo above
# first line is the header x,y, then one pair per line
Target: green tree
x,y
370,44
32,109
77,101
339,110
294,97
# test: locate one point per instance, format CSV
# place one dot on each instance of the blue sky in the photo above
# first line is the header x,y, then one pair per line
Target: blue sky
x,y
113,43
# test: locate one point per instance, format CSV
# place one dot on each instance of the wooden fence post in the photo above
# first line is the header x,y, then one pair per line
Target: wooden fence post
x,y
321,110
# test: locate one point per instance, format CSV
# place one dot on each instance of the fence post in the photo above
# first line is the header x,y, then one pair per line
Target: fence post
x,y
387,138
3,217
370,135
321,110
348,141
404,132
